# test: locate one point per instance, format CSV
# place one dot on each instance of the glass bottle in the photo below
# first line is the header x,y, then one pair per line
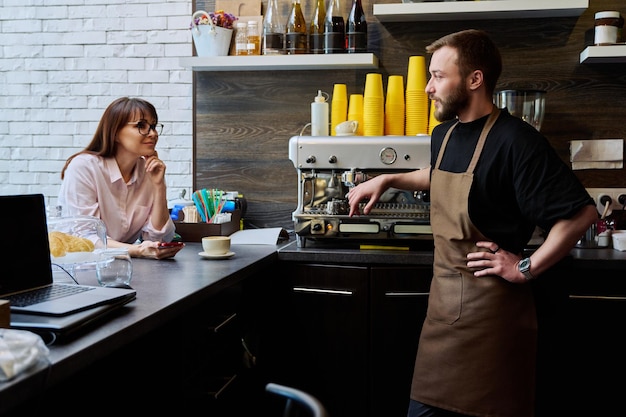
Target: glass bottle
x,y
296,32
316,28
254,39
356,30
241,38
273,30
334,29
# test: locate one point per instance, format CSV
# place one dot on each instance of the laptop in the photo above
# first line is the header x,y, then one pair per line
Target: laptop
x,y
27,266
55,328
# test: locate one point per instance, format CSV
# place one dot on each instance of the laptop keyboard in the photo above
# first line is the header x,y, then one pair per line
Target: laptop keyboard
x,y
45,294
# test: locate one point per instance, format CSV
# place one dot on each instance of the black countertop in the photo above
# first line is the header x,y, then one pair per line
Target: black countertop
x,y
165,289
319,252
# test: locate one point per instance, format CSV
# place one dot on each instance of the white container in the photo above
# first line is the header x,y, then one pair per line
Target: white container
x,y
608,27
210,40
619,240
319,115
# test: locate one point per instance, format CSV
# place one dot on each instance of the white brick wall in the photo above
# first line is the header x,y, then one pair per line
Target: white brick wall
x,y
63,61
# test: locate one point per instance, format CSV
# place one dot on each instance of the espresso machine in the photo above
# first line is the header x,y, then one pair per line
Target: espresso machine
x,y
328,166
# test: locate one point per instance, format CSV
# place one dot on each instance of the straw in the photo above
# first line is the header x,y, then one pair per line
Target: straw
x,y
209,203
197,199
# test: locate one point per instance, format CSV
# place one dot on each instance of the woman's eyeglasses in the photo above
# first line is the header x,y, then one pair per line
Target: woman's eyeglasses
x,y
144,127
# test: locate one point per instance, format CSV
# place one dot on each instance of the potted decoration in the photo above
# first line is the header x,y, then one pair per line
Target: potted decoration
x,y
212,32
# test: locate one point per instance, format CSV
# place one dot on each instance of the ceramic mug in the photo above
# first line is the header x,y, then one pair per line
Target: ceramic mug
x,y
347,128
216,245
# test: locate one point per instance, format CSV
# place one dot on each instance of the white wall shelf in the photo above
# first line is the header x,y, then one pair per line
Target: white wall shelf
x,y
607,54
485,9
281,62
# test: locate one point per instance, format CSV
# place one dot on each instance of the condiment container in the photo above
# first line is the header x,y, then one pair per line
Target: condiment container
x,y
608,28
319,115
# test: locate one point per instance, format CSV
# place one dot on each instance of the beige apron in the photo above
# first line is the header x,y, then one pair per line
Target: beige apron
x,y
477,348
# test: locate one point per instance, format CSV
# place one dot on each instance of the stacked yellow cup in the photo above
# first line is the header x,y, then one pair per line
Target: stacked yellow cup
x,y
355,111
416,97
338,107
394,106
432,121
373,106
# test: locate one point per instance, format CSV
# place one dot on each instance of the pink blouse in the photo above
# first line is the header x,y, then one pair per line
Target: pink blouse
x,y
94,186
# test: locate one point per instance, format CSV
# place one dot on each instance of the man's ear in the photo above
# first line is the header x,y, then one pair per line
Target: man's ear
x,y
475,80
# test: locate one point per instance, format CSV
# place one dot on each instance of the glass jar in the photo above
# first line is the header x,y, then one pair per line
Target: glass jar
x,y
241,38
254,38
115,268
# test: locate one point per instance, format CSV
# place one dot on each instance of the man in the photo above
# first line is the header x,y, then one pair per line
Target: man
x,y
493,178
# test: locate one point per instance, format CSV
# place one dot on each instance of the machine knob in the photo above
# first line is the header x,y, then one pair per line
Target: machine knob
x,y
311,159
317,227
332,159
407,157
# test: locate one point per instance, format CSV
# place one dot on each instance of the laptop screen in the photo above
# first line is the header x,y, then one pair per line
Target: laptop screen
x,y
24,246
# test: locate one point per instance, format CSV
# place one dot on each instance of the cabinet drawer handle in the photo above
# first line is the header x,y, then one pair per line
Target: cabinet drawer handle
x,y
406,294
322,291
597,297
223,323
220,391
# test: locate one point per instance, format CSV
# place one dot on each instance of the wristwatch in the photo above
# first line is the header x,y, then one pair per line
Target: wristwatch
x,y
524,268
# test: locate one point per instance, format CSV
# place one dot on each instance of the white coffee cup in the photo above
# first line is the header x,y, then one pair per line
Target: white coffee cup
x,y
216,245
347,128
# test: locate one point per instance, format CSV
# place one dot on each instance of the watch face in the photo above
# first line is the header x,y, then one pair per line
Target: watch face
x,y
524,264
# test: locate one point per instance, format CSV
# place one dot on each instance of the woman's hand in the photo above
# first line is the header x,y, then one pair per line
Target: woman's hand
x,y
150,249
155,168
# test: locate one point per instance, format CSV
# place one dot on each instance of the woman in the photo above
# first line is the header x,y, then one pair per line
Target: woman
x,y
120,179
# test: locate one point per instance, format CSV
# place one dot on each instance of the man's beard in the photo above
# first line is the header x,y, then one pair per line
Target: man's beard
x,y
450,108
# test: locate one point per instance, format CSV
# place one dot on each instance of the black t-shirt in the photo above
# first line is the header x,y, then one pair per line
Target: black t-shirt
x,y
519,183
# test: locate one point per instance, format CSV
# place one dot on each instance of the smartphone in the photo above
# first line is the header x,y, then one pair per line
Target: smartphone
x,y
163,245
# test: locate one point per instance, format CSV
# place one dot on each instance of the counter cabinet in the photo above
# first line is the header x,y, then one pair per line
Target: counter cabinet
x,y
354,348
595,352
348,333
192,363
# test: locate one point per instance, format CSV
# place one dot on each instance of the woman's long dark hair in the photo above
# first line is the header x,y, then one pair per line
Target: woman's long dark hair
x,y
115,117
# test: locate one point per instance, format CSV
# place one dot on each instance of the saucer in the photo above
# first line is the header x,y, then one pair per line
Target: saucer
x,y
226,255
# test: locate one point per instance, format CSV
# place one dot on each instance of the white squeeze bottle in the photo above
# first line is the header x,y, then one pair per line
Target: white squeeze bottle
x,y
319,115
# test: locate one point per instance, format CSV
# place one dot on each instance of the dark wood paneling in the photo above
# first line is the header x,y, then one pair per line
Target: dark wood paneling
x,y
243,120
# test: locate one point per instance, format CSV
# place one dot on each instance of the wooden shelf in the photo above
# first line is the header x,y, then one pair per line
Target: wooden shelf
x,y
280,62
604,54
474,10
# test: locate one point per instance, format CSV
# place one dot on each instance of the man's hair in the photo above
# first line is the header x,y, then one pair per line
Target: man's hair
x,y
475,51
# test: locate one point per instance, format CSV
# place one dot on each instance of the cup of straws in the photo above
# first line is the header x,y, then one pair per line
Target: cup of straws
x,y
209,203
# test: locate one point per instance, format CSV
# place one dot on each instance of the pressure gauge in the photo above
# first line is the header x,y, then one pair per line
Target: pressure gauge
x,y
388,155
